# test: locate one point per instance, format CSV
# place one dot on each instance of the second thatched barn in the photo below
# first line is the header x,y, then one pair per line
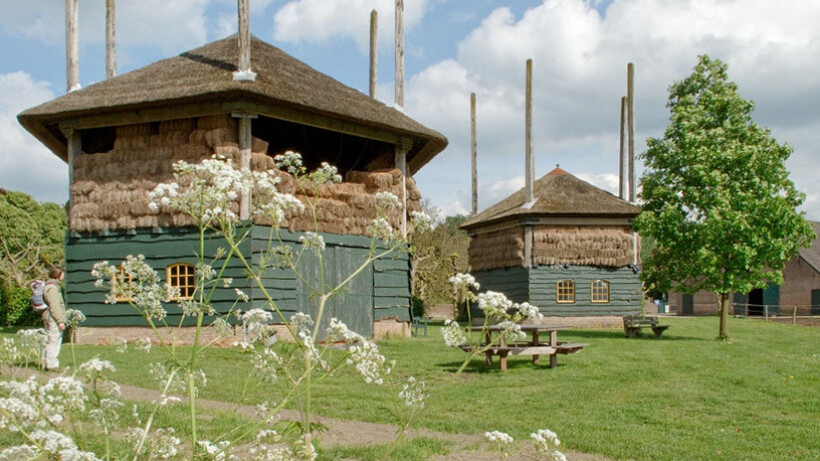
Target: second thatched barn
x,y
571,251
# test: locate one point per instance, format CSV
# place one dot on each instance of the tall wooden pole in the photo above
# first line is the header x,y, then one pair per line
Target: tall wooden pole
x,y
244,72
374,52
110,39
630,97
622,163
74,147
400,53
474,153
529,169
72,46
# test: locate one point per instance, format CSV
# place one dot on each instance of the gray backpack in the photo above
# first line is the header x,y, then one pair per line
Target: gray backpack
x,y
37,302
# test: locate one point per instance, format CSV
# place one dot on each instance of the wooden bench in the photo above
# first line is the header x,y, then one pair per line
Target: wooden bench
x,y
634,324
527,348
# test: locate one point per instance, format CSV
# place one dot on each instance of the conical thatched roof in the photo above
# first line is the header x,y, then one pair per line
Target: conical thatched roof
x,y
557,193
200,81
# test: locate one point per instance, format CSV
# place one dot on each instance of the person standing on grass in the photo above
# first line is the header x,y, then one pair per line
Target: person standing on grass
x,y
53,319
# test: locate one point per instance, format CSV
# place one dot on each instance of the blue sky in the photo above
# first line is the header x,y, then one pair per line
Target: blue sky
x,y
453,47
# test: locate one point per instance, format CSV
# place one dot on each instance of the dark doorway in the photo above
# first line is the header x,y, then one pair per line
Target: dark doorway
x,y
688,304
815,302
755,306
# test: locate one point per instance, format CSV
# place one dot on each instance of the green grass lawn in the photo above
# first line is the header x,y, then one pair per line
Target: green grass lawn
x,y
684,397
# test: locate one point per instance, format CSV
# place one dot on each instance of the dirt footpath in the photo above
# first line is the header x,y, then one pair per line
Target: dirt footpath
x,y
461,447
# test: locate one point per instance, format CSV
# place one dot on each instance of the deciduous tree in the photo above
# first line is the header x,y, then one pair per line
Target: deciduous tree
x,y
717,198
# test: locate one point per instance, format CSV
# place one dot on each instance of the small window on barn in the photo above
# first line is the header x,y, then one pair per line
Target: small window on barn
x,y
181,277
599,291
125,282
565,290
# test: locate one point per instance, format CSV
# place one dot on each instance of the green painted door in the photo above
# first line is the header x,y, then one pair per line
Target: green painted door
x,y
815,302
687,304
740,301
353,304
771,298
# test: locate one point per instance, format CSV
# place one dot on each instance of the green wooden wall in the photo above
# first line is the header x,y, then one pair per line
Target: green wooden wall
x,y
512,281
624,290
380,290
537,285
161,248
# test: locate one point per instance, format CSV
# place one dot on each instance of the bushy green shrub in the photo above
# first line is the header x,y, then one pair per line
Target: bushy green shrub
x,y
418,307
15,306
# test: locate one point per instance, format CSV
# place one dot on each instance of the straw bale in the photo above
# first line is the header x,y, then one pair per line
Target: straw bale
x,y
496,250
130,131
228,151
215,121
171,126
259,146
606,246
219,136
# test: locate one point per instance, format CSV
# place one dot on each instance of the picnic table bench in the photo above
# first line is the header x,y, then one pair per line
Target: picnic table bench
x,y
534,347
634,323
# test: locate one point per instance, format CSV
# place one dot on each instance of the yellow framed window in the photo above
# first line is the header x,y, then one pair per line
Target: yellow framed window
x,y
599,291
181,276
565,291
124,280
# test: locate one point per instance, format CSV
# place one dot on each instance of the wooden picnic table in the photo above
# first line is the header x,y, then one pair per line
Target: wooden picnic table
x,y
534,346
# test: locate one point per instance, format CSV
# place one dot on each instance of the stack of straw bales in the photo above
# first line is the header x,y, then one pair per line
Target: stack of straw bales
x,y
111,189
602,246
496,250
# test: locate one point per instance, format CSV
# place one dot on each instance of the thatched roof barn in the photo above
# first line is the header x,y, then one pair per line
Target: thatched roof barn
x,y
121,137
571,251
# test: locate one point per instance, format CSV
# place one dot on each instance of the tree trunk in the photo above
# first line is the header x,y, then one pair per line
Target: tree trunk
x,y
723,332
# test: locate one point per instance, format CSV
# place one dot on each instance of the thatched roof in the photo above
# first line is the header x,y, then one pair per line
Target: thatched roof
x,y
202,79
557,193
812,254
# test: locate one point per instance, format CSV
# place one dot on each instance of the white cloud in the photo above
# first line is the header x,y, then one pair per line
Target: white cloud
x,y
605,181
25,164
580,57
322,20
169,25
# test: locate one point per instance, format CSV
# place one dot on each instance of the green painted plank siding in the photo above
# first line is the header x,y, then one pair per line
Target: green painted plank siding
x,y
385,284
381,290
160,249
512,281
624,290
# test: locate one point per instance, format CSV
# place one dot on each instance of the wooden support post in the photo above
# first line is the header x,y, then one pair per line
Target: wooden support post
x,y
401,164
630,96
527,246
374,52
245,142
75,145
622,162
794,316
110,39
72,46
529,169
244,72
473,154
400,54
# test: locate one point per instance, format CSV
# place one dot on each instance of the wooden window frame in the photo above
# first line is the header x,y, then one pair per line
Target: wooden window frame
x,y
180,280
593,291
127,281
561,291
